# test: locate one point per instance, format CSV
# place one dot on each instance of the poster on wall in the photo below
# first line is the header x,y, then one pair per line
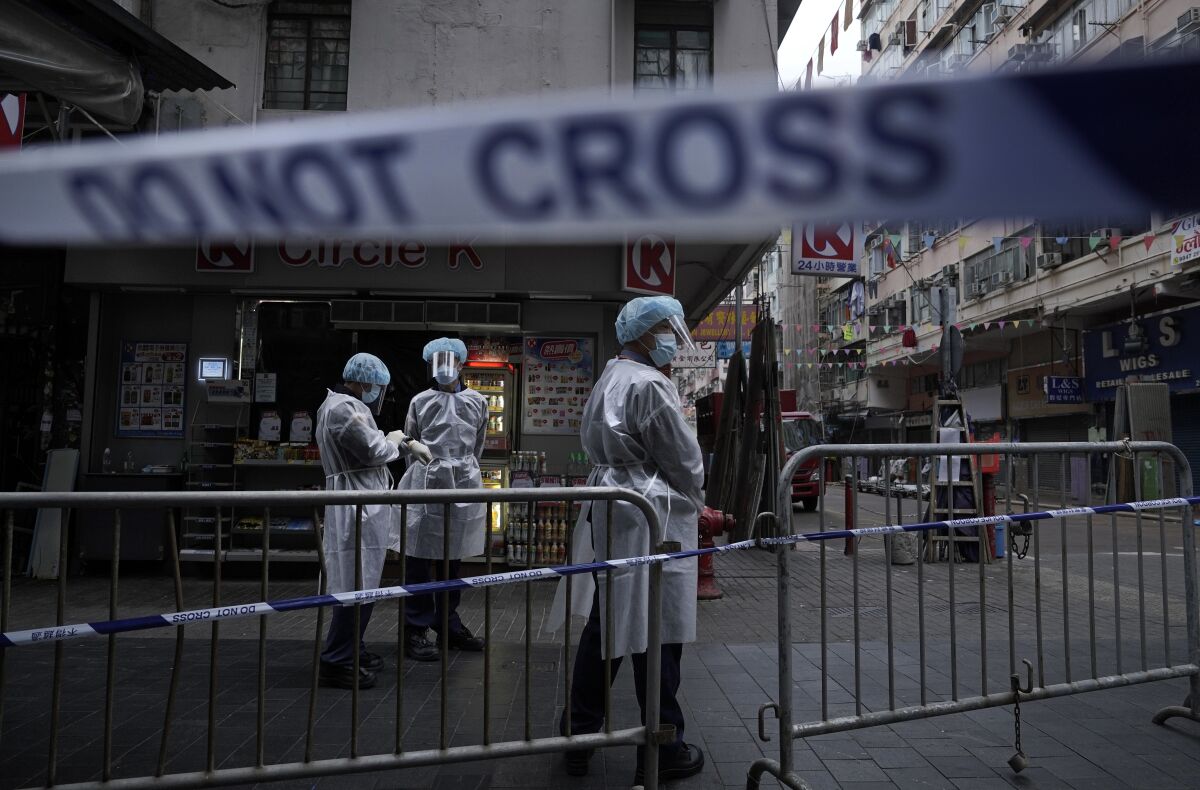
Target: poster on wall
x,y
153,380
558,379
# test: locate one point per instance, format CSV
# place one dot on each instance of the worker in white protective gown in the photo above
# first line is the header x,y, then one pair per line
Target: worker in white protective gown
x,y
354,455
634,433
451,420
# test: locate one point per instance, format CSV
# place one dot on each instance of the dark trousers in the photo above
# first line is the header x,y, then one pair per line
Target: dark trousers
x,y
587,683
341,639
425,611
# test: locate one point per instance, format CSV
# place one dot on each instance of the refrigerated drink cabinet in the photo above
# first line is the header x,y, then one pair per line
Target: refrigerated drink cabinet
x,y
496,381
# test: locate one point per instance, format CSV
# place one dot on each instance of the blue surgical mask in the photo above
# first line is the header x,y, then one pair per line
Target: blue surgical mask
x,y
371,395
445,378
664,349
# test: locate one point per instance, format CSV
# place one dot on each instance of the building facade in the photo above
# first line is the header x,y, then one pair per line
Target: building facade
x,y
1028,296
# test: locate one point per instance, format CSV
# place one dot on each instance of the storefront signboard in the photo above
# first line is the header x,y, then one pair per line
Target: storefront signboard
x,y
151,392
826,250
1027,396
558,379
720,324
1168,354
1185,240
235,257
1064,389
704,356
490,349
649,266
725,349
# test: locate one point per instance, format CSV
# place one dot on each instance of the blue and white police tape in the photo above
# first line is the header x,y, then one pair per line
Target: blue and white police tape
x,y
83,630
743,159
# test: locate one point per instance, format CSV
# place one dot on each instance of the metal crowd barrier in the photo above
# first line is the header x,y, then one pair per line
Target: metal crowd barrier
x,y
1044,678
262,769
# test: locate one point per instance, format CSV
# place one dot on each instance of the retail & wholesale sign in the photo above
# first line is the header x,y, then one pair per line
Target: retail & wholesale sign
x,y
1063,389
1168,353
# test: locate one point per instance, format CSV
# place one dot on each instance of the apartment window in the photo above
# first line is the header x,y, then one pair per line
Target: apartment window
x,y
308,55
673,58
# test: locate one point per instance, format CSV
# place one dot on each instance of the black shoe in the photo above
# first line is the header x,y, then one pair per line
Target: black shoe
x,y
578,761
679,764
342,676
418,648
464,640
371,661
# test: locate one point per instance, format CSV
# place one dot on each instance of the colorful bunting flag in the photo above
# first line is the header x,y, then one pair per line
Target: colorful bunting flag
x,y
1002,324
833,32
1062,240
1115,240
962,243
1026,241
1093,240
808,74
849,15
929,239
1148,240
821,56
997,242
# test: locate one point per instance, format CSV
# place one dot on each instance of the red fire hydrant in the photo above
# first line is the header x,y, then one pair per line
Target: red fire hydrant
x,y
712,523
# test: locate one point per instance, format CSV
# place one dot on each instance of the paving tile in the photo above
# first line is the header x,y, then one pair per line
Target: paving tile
x,y
904,757
855,771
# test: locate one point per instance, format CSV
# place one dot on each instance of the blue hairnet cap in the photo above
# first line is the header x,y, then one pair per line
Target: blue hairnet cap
x,y
450,344
639,315
366,369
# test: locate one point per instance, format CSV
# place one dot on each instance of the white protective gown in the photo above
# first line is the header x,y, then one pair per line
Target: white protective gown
x,y
635,434
354,454
453,425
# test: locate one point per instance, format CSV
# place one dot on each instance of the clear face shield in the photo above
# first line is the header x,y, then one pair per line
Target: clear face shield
x,y
445,366
682,335
373,396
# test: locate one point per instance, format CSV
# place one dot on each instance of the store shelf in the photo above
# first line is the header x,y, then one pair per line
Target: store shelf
x,y
276,463
248,555
496,411
209,467
206,519
490,390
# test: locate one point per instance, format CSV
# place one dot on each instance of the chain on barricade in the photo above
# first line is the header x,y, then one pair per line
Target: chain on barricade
x,y
1019,762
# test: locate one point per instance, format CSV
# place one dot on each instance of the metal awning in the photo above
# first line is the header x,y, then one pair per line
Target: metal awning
x,y
94,54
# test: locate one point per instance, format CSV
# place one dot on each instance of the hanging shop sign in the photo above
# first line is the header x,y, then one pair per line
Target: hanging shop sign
x,y
649,266
12,119
720,324
1162,348
703,356
1027,397
1185,240
491,349
1063,389
725,348
151,392
826,250
558,379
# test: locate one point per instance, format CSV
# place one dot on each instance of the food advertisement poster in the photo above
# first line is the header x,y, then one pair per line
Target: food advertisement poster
x,y
150,397
558,379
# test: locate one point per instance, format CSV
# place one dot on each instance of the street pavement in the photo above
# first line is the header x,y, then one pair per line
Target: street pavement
x,y
1098,740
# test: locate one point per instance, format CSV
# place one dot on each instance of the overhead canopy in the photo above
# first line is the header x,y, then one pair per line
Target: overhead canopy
x,y
93,54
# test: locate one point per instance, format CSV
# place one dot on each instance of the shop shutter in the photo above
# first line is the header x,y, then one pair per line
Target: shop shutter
x,y
1185,431
1070,428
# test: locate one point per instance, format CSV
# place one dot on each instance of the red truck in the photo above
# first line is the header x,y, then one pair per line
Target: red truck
x,y
800,430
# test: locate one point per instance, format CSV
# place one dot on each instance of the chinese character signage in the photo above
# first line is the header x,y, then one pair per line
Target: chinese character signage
x,y
704,356
558,380
721,324
153,381
1064,389
826,250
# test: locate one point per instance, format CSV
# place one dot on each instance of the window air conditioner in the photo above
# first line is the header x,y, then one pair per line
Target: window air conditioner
x,y
1018,52
976,290
1006,278
894,40
1188,22
957,62
1040,53
1049,260
948,272
1003,17
861,46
